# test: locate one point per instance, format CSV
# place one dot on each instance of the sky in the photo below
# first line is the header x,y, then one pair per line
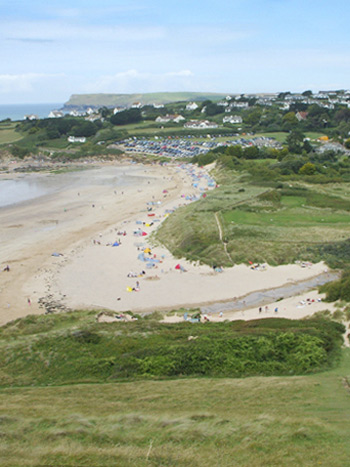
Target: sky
x,y
52,49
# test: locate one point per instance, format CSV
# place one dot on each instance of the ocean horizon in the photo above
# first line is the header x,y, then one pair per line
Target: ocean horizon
x,y
18,111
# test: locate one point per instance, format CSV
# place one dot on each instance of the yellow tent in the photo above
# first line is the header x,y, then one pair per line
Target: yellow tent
x,y
147,250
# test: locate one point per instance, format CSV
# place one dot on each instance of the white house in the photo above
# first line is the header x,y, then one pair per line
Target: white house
x,y
169,118
136,105
76,139
76,113
233,119
56,114
191,106
93,117
31,117
200,124
158,106
117,110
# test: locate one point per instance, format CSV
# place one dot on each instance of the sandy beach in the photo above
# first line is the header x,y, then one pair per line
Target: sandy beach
x,y
81,225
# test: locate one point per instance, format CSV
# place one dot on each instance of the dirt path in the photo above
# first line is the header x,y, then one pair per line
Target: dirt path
x,y
221,239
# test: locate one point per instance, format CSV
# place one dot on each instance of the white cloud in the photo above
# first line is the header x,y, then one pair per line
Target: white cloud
x,y
24,83
135,81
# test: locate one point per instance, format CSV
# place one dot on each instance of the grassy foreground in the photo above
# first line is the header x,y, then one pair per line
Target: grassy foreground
x,y
64,401
274,421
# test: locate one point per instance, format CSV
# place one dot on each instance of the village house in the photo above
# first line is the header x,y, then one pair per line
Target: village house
x,y
169,118
301,116
223,103
94,117
191,106
31,117
200,124
76,113
233,119
136,105
158,106
56,114
238,105
76,139
117,110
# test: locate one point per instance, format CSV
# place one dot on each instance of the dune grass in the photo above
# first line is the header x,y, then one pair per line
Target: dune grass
x,y
275,421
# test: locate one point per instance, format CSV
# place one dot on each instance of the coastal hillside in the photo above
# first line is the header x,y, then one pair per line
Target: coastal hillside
x,y
125,100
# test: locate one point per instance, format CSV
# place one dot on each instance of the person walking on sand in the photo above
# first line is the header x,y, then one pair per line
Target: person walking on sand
x,y
276,309
29,302
260,309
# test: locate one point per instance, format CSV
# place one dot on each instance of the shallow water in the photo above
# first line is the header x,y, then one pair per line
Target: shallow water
x,y
32,186
260,298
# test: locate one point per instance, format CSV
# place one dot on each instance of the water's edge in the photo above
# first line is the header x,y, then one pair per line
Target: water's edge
x,y
263,297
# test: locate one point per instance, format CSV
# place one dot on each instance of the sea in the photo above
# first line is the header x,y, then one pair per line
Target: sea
x,y
30,186
17,111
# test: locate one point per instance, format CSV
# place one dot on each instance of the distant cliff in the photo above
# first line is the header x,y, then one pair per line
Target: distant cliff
x,y
126,100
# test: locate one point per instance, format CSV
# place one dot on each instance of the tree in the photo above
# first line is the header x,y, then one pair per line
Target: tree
x,y
307,169
290,119
234,151
252,152
307,93
212,109
126,116
295,141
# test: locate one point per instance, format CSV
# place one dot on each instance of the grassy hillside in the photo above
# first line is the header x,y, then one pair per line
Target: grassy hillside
x,y
256,421
262,222
100,100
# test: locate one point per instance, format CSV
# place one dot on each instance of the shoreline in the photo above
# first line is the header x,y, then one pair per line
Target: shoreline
x,y
93,276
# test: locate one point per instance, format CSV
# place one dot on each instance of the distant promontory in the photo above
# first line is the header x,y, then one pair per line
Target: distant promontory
x,y
126,100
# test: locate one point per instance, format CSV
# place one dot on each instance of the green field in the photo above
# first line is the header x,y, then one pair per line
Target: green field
x,y
8,134
198,421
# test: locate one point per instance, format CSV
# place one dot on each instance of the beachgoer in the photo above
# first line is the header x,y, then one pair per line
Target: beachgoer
x,y
29,302
276,309
7,268
266,309
260,309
